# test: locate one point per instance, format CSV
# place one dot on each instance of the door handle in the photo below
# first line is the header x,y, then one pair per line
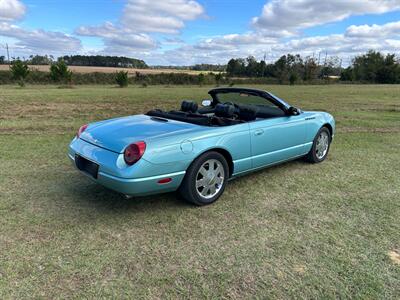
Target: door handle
x,y
258,132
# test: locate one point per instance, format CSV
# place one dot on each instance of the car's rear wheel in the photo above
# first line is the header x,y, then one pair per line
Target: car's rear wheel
x,y
320,147
205,179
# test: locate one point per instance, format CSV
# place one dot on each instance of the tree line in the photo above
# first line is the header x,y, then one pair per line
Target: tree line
x,y
82,60
104,61
372,67
287,69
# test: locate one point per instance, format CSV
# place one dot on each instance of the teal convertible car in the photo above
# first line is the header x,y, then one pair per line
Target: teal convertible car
x,y
196,150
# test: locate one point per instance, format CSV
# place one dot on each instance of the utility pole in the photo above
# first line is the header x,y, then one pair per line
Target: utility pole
x,y
265,64
8,54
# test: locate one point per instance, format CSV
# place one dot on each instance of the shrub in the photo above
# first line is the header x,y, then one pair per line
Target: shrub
x,y
201,78
59,72
121,78
218,78
20,71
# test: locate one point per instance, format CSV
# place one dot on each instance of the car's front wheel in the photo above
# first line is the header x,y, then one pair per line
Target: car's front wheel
x,y
205,179
320,147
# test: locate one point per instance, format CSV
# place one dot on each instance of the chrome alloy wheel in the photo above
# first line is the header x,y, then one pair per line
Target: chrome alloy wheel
x,y
322,145
210,178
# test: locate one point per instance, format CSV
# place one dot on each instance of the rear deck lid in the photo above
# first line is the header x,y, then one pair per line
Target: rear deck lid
x,y
116,134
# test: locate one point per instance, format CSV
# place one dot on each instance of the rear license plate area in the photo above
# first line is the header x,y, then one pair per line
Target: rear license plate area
x,y
86,166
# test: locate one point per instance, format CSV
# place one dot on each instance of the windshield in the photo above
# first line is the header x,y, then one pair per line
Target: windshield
x,y
243,98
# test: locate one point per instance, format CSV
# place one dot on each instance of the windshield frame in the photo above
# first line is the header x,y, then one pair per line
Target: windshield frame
x,y
262,94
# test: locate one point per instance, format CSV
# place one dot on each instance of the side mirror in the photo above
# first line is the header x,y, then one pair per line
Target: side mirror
x,y
206,103
293,111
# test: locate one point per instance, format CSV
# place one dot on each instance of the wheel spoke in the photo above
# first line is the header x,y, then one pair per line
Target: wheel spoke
x,y
205,190
219,180
203,171
200,183
218,170
213,189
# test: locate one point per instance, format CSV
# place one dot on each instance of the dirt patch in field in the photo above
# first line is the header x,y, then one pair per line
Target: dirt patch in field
x,y
394,257
299,269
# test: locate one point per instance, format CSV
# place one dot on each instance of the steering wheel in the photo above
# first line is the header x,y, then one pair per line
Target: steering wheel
x,y
230,103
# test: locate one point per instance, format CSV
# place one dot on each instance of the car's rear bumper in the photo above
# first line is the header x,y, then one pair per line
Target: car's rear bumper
x,y
137,186
111,171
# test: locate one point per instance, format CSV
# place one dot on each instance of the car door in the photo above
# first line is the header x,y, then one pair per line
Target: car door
x,y
277,139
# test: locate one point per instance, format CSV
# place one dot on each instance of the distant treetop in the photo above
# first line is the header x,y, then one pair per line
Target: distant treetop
x,y
104,61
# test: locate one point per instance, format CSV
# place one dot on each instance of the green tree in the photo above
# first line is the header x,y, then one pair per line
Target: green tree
x,y
121,78
311,69
20,71
252,67
236,67
375,67
347,74
201,78
59,72
292,78
218,78
40,60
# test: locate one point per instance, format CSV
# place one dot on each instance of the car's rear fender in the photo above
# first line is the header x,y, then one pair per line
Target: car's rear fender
x,y
184,149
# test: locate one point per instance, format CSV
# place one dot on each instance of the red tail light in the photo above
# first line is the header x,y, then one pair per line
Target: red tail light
x,y
81,129
134,152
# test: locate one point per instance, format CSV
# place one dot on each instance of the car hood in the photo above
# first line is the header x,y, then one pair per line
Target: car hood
x,y
116,134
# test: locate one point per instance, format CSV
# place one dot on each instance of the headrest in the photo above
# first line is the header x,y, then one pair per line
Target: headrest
x,y
224,110
189,106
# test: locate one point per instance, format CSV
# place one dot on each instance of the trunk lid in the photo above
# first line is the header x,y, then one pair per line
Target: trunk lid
x,y
116,134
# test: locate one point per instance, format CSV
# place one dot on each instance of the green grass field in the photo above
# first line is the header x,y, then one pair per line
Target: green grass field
x,y
297,230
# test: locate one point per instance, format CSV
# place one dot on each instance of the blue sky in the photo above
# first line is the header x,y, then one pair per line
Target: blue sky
x,y
183,32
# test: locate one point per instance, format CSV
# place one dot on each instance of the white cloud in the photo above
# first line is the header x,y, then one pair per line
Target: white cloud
x,y
40,40
374,31
11,10
141,17
297,14
165,16
116,37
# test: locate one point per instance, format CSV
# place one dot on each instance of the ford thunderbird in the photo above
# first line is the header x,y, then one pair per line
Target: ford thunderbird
x,y
196,150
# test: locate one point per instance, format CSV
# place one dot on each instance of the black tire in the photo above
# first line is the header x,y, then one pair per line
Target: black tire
x,y
188,190
312,156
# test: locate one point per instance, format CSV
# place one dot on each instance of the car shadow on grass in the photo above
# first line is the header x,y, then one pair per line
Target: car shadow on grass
x,y
100,198
87,193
